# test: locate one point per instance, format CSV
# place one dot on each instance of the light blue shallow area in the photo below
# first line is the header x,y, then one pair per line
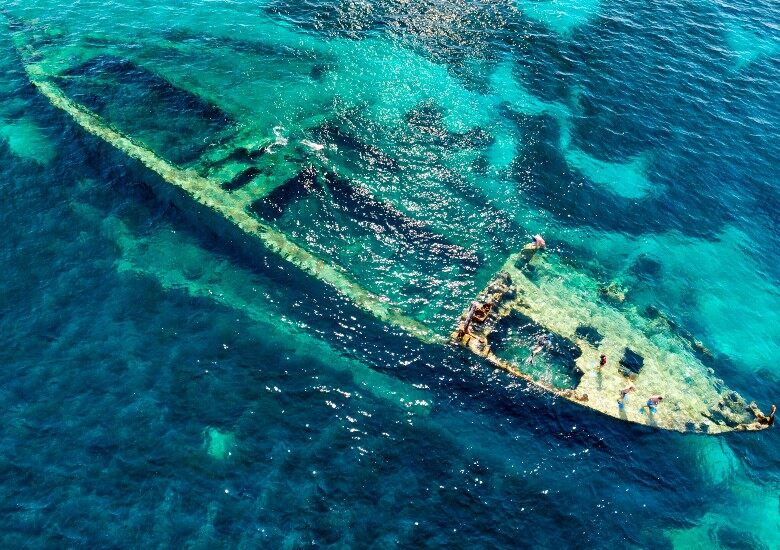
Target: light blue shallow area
x,y
166,385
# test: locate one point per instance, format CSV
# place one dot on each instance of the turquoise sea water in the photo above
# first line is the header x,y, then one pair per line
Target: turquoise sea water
x,y
165,386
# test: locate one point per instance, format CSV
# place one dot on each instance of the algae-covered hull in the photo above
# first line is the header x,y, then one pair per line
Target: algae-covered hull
x,y
647,356
269,186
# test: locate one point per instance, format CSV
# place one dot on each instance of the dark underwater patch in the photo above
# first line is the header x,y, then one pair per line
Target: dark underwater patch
x,y
427,121
647,269
318,71
258,48
177,124
542,174
589,334
272,206
242,179
356,207
354,149
632,361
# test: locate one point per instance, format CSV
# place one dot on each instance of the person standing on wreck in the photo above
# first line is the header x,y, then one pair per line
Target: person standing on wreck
x,y
652,402
531,248
538,242
624,395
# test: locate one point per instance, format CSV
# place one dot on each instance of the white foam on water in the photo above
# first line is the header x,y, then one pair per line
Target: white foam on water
x,y
313,146
279,139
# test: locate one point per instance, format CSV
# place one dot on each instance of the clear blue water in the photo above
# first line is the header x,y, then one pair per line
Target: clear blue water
x,y
163,386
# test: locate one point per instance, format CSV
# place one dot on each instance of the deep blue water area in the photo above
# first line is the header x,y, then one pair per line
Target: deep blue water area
x,y
168,383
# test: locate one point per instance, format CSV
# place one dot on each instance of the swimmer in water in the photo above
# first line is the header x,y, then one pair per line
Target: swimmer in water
x,y
542,341
602,360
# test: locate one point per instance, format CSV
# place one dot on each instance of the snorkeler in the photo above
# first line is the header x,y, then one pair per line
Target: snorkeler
x,y
602,360
543,341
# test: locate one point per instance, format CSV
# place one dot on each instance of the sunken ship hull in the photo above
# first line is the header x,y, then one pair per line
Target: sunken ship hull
x,y
263,184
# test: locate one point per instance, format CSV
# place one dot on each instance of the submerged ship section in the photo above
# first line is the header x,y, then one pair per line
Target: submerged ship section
x,y
537,318
542,321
